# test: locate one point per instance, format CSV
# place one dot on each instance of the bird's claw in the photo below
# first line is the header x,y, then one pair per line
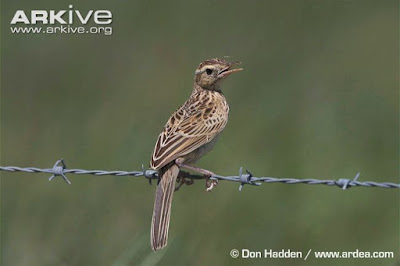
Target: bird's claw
x,y
210,184
183,180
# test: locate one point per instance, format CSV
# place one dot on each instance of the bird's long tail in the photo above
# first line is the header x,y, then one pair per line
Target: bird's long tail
x,y
162,207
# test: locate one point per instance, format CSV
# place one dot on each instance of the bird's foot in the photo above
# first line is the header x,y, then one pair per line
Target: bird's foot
x,y
210,183
183,179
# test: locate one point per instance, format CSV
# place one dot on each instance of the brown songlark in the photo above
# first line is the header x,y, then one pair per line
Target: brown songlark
x,y
190,132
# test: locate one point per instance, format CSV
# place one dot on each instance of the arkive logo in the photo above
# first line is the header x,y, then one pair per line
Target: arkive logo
x,y
69,21
51,17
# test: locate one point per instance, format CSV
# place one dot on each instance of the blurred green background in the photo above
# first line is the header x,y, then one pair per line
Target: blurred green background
x,y
319,98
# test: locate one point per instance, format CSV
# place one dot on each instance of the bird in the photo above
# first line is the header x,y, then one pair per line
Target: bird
x,y
191,131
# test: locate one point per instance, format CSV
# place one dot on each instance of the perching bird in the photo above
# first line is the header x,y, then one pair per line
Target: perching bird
x,y
190,132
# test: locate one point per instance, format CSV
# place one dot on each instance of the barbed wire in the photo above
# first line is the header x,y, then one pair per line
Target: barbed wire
x,y
60,169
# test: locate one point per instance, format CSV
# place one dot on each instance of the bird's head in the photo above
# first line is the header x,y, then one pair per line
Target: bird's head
x,y
211,72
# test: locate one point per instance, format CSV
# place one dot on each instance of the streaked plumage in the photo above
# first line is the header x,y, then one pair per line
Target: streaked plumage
x,y
190,132
201,118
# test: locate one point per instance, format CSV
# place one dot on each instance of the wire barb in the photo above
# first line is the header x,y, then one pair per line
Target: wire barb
x,y
246,179
345,183
149,174
60,169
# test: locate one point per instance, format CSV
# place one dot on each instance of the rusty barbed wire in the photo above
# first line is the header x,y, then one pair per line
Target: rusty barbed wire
x,y
60,169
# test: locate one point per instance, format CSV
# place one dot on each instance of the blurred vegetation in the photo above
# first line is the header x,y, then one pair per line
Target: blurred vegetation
x,y
319,98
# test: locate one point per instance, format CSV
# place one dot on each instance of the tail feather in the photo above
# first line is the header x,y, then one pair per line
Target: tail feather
x,y
162,207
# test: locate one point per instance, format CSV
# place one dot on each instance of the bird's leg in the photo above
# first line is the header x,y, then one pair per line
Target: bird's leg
x,y
184,178
187,178
180,183
207,174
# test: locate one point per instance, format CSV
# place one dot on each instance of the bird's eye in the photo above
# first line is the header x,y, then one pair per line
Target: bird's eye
x,y
209,71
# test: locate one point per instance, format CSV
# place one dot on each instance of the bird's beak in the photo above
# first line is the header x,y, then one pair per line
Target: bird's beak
x,y
229,70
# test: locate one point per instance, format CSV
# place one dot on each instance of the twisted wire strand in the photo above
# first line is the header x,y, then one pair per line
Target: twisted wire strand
x,y
60,169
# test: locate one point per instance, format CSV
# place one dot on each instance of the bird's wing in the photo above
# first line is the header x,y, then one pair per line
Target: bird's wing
x,y
190,127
